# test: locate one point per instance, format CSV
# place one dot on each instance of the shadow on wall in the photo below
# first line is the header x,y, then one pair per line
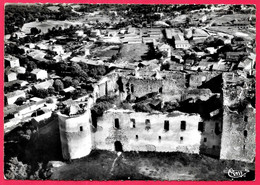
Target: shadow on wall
x,y
211,132
214,84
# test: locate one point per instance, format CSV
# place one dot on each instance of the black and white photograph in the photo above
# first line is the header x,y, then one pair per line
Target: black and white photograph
x,y
162,92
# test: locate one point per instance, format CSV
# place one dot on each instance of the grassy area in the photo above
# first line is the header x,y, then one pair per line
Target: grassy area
x,y
147,166
232,17
101,18
130,52
106,51
233,31
49,24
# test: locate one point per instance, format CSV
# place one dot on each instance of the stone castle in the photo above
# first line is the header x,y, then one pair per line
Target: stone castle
x,y
222,124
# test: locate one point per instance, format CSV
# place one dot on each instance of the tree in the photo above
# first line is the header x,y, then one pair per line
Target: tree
x,y
16,169
67,81
93,72
51,90
75,83
20,100
49,100
42,93
75,68
225,48
35,31
31,65
168,22
83,66
101,70
58,85
188,20
164,54
139,107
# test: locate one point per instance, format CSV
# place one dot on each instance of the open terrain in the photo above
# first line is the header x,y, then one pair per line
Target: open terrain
x,y
105,165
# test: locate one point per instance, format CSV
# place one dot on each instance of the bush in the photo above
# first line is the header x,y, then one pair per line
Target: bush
x,y
142,108
20,101
49,100
58,85
42,93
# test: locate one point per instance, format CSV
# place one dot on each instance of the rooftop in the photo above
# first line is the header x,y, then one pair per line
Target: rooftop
x,y
15,93
35,71
44,85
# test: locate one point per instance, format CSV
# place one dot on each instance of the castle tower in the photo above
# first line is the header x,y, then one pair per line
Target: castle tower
x,y
238,135
75,132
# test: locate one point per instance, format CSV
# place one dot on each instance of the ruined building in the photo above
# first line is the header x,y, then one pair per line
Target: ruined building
x,y
208,118
75,131
238,138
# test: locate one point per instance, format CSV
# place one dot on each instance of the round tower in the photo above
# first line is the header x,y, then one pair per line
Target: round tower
x,y
75,132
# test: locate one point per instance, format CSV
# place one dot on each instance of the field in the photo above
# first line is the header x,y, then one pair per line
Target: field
x,y
131,52
232,17
107,51
105,165
245,33
49,24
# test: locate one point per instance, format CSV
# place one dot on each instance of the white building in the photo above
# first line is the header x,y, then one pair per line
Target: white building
x,y
180,42
39,74
13,96
166,48
10,76
11,61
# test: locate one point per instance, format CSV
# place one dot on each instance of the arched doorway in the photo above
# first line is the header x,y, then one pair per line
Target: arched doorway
x,y
118,146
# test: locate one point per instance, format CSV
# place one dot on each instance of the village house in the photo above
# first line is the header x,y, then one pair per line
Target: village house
x,y
234,56
95,33
40,120
80,33
26,110
165,48
241,24
238,41
11,61
39,74
68,91
43,85
10,76
248,65
174,66
211,50
180,42
57,48
11,97
199,35
131,30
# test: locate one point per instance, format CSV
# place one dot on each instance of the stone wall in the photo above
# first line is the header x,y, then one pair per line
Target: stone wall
x,y
211,136
197,79
139,131
75,135
238,137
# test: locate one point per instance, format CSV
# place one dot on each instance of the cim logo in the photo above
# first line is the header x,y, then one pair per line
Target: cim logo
x,y
237,173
